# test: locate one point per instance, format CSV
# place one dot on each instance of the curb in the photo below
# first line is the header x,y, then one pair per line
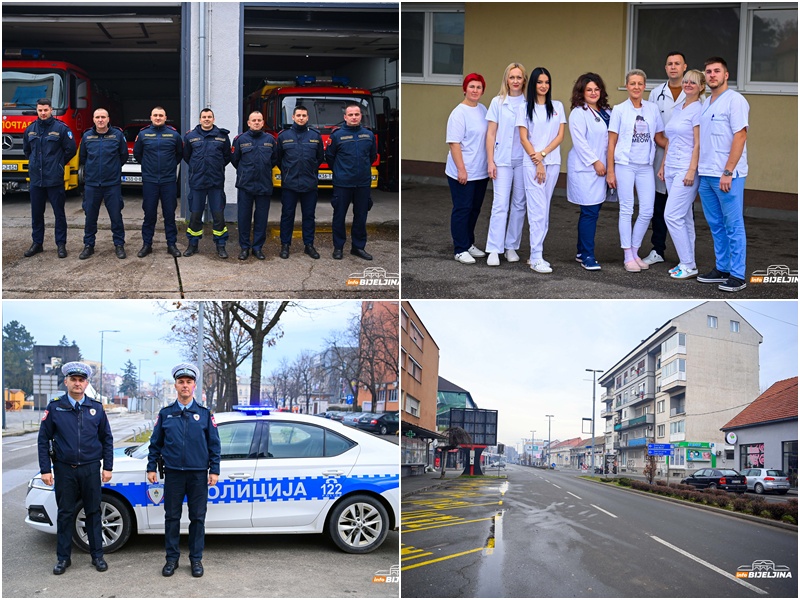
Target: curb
x,y
730,513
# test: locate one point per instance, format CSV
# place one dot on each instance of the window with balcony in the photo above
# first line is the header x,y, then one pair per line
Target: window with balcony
x,y
412,405
674,367
677,427
734,326
712,321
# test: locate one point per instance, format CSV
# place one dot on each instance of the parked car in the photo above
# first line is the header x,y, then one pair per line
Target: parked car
x,y
351,418
724,479
382,423
762,481
281,473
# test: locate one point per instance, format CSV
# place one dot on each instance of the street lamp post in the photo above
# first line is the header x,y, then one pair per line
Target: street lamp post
x,y
102,333
548,439
533,437
594,373
139,385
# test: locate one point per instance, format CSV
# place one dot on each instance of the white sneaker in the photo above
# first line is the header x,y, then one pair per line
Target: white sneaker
x,y
493,260
512,256
475,252
653,258
541,266
677,267
465,257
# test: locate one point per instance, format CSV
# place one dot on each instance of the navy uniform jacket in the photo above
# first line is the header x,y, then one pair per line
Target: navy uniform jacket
x,y
350,155
80,436
207,153
254,156
300,153
159,150
187,440
102,156
49,145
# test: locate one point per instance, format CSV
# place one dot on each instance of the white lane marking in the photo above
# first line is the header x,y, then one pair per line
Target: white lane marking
x,y
21,448
605,511
558,486
578,497
710,566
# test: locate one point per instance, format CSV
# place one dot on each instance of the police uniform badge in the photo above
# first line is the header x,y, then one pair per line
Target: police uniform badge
x,y
92,411
196,417
213,422
155,492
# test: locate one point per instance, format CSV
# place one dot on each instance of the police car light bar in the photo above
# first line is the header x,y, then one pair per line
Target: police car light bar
x,y
249,409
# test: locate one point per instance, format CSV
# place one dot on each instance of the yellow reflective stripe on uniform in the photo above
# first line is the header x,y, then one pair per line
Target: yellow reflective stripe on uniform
x,y
194,233
218,233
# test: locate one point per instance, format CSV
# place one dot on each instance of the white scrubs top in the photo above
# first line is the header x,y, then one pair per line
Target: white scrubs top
x,y
467,126
680,133
541,131
719,121
662,96
589,144
507,147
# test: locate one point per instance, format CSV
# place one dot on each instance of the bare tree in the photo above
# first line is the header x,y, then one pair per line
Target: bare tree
x,y
283,381
259,319
307,375
456,437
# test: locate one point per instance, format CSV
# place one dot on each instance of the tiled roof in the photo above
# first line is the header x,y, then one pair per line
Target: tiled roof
x,y
778,403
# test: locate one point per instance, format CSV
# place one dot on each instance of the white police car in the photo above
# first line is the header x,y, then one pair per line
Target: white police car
x,y
280,473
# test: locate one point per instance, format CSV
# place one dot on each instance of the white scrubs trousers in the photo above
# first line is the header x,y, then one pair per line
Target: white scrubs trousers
x,y
538,198
679,215
628,177
505,228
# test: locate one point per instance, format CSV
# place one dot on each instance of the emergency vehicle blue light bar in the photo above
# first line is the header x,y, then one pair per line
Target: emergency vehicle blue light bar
x,y
253,409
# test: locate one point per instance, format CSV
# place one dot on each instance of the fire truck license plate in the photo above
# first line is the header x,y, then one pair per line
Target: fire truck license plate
x,y
10,167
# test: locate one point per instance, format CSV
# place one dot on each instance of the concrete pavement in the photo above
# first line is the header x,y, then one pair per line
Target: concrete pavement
x,y
429,270
204,275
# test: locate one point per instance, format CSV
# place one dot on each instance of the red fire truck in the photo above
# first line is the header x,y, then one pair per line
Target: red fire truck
x,y
325,99
25,81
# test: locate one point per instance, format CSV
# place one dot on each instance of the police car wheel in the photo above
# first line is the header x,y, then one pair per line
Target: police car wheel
x,y
116,524
359,524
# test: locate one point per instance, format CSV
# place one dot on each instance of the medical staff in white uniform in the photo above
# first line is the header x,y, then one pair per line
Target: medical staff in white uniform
x,y
632,142
541,128
723,170
667,96
586,161
504,154
466,169
678,171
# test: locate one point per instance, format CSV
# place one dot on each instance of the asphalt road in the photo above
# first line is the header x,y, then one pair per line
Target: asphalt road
x,y
550,534
429,270
235,566
204,275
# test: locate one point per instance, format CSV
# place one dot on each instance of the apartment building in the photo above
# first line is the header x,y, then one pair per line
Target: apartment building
x,y
679,386
419,382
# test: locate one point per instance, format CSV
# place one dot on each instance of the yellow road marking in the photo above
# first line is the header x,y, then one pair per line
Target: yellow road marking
x,y
421,526
440,559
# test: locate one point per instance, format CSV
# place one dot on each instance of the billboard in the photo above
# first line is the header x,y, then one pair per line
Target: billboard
x,y
479,423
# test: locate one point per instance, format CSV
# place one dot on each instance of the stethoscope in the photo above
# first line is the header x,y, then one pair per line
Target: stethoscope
x,y
662,95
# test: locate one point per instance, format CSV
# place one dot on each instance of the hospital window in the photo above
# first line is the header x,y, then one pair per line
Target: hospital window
x,y
432,44
753,38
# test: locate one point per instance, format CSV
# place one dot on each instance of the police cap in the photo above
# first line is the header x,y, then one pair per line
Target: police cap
x,y
77,368
184,370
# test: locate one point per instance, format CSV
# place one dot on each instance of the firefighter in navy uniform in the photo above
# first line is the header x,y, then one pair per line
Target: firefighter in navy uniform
x,y
78,428
254,157
185,437
207,151
102,154
300,153
49,145
159,149
350,154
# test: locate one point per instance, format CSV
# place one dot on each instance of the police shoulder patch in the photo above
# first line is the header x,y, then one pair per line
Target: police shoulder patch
x,y
47,412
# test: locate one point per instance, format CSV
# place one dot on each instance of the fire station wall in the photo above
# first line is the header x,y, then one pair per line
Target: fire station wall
x,y
215,66
568,42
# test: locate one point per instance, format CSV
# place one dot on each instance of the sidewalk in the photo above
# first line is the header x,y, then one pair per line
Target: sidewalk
x,y
420,483
201,276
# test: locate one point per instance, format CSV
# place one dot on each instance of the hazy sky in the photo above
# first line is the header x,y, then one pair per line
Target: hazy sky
x,y
527,359
144,328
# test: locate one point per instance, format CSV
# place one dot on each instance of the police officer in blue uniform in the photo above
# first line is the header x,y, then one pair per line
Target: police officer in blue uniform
x,y
49,145
102,154
350,154
159,149
185,437
300,153
254,156
78,429
207,151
